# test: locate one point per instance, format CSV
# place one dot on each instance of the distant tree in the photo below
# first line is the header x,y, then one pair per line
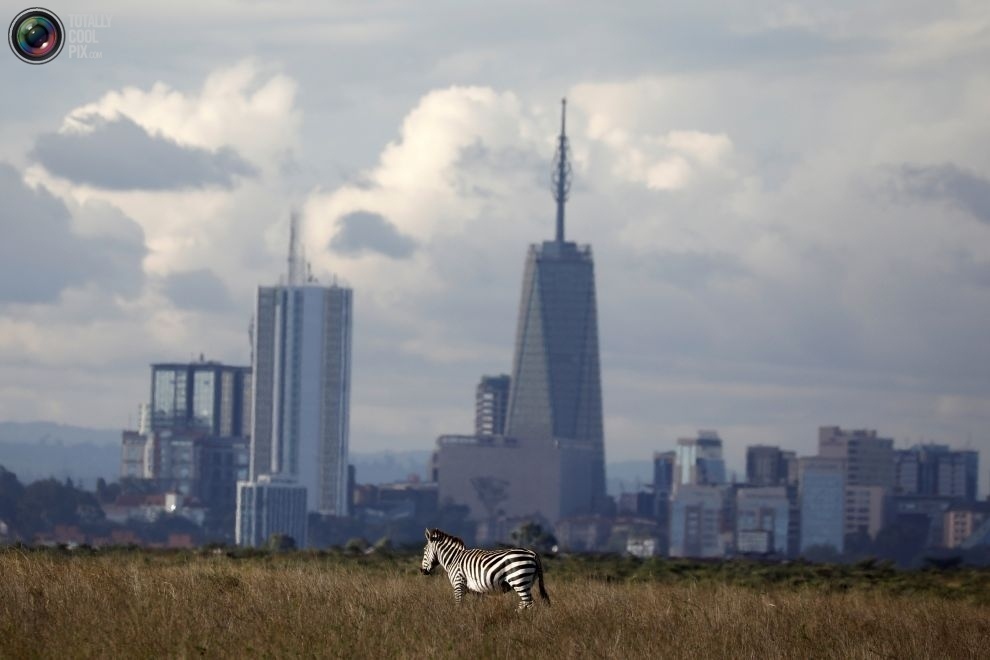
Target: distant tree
x,y
105,492
168,524
280,543
46,503
532,535
11,491
859,545
383,545
904,540
356,545
822,554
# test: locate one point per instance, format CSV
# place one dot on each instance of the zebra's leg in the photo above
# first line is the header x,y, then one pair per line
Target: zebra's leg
x,y
458,590
526,598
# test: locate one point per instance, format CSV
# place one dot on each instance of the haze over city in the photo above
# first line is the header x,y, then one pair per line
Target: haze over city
x,y
789,208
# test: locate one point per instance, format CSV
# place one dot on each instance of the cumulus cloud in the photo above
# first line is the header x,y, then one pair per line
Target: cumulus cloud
x,y
121,155
238,107
363,231
42,253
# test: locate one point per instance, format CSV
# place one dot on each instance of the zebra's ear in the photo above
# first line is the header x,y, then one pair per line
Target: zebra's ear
x,y
427,534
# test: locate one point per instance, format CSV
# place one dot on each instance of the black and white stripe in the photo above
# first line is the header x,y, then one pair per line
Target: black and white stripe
x,y
484,571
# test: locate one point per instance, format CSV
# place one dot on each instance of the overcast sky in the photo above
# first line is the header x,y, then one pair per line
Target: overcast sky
x,y
788,203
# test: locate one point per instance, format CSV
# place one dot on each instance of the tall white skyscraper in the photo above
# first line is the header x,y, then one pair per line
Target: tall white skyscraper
x,y
302,382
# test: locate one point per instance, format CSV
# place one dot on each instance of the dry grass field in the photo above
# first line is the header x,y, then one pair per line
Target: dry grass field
x,y
188,605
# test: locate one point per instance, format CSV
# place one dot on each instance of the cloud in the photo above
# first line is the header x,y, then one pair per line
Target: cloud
x,y
364,231
119,154
42,253
945,183
237,107
198,290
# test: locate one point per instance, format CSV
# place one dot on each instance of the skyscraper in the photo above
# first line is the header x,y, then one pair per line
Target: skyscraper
x,y
555,393
302,374
699,461
551,459
822,495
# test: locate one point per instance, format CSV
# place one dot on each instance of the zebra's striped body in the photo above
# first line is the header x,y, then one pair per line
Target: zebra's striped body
x,y
484,571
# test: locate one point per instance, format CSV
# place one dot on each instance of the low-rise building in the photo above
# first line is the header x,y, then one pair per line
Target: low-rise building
x,y
270,505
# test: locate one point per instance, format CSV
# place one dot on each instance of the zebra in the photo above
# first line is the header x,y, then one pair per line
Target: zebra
x,y
484,571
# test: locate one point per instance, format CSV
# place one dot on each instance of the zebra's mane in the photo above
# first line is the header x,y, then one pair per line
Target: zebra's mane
x,y
439,535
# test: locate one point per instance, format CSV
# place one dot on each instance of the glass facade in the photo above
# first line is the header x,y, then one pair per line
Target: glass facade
x,y
301,390
822,493
205,397
555,388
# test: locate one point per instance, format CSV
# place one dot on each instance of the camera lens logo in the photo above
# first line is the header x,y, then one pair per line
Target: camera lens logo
x,y
36,35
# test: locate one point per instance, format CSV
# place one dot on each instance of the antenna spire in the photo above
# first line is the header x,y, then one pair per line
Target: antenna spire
x,y
295,262
561,176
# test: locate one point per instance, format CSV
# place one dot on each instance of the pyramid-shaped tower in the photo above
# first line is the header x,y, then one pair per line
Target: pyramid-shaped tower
x,y
556,393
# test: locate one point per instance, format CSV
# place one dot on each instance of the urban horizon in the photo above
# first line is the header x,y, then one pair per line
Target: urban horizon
x,y
788,221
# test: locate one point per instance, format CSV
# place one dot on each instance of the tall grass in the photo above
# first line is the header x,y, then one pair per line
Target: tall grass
x,y
142,605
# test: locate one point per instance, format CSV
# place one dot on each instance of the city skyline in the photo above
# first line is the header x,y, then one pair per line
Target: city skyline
x,y
788,207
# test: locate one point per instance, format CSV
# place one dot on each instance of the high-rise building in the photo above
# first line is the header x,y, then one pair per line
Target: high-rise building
x,y
766,466
270,505
192,437
938,470
696,517
555,394
554,414
869,459
866,508
822,484
870,475
205,397
699,461
301,385
491,403
763,520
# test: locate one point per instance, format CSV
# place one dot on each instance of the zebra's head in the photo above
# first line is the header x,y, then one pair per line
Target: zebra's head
x,y
430,558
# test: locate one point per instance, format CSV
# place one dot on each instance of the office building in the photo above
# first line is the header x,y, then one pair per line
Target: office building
x,y
822,488
203,397
763,520
696,520
699,461
302,374
866,509
937,470
869,459
962,521
270,505
870,474
766,466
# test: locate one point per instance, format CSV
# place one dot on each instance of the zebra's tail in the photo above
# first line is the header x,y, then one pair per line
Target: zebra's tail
x,y
539,576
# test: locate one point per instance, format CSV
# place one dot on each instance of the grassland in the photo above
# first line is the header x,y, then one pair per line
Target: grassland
x,y
139,604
